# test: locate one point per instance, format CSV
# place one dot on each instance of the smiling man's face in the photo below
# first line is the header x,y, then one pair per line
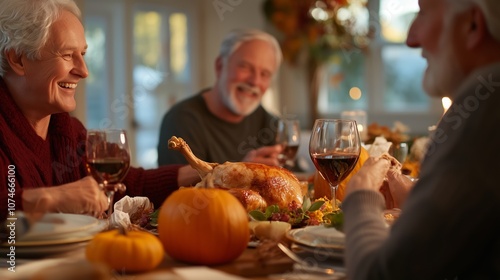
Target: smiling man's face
x,y
51,80
247,76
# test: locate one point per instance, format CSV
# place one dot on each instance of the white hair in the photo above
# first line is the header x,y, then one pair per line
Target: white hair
x,y
25,25
491,11
235,38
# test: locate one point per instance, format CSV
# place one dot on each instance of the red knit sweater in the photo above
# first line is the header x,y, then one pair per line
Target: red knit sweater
x,y
33,162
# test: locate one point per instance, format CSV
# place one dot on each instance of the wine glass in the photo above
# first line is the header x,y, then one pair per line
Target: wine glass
x,y
334,149
108,160
288,136
399,151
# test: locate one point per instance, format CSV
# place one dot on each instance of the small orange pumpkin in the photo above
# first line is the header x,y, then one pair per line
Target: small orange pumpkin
x,y
321,187
131,251
205,226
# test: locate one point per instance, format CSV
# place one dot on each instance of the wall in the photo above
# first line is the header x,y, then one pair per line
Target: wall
x,y
217,18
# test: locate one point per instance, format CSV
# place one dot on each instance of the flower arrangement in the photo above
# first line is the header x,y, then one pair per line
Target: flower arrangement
x,y
317,212
323,26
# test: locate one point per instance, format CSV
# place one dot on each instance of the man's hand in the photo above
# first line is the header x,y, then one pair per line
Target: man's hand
x,y
80,197
266,155
399,186
370,176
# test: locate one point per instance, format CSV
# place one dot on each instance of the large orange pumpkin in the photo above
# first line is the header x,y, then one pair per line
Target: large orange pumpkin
x,y
204,226
321,187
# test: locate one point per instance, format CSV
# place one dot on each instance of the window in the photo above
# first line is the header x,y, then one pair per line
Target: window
x,y
161,74
139,65
98,63
403,66
386,79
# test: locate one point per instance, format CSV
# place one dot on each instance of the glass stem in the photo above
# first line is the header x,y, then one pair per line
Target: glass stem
x,y
110,203
110,193
334,196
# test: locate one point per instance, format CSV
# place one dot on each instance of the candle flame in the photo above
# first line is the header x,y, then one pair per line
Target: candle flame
x,y
446,101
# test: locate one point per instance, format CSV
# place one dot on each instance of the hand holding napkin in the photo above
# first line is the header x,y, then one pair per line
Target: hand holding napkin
x,y
370,176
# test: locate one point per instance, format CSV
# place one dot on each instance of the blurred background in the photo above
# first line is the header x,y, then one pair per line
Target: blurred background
x,y
146,55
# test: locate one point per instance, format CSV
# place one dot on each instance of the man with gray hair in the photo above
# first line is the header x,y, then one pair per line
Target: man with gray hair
x,y
449,227
43,166
227,122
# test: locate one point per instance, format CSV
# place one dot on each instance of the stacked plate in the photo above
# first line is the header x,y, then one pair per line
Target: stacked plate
x,y
319,241
55,233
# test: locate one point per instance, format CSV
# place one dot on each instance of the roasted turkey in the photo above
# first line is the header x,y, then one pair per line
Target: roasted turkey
x,y
255,185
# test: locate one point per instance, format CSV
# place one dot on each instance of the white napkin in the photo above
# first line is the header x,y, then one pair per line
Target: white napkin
x,y
379,146
203,273
187,273
125,206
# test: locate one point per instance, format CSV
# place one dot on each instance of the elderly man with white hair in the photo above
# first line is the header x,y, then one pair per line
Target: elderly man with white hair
x,y
450,226
227,121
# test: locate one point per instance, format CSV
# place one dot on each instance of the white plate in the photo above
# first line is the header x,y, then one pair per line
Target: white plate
x,y
66,242
29,252
319,252
66,229
318,236
56,226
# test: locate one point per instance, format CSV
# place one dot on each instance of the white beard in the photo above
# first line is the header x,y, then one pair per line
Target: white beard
x,y
229,96
446,73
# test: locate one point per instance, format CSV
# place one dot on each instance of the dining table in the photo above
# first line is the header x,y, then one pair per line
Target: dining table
x,y
249,265
40,254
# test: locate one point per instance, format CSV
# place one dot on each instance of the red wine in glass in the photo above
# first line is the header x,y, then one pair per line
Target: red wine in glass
x,y
335,166
288,154
288,136
109,171
108,160
334,148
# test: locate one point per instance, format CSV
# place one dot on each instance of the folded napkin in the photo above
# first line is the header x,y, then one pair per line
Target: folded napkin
x,y
380,146
127,207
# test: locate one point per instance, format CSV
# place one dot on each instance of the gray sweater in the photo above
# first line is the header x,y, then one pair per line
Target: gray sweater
x,y
450,223
210,138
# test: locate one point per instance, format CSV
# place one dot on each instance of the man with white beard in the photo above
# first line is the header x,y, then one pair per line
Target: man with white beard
x,y
227,122
436,237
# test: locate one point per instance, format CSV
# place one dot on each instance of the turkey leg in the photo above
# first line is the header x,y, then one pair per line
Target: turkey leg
x,y
203,167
